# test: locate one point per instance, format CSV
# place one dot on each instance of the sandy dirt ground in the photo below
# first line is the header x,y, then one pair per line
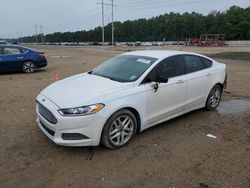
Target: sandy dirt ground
x,y
173,154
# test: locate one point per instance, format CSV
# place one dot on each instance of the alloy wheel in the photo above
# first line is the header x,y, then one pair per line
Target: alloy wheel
x,y
215,96
121,130
29,67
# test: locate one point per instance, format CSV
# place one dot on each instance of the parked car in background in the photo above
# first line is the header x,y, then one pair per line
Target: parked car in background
x,y
2,42
126,95
17,58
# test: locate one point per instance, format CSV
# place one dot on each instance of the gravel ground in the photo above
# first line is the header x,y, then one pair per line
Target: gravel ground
x,y
176,153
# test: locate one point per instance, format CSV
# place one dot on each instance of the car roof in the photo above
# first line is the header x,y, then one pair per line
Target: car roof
x,y
9,45
159,54
13,46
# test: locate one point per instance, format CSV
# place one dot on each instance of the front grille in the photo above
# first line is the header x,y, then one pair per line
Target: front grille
x,y
46,114
52,133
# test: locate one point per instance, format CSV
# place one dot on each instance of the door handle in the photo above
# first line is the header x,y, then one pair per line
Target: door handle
x,y
20,57
208,74
179,81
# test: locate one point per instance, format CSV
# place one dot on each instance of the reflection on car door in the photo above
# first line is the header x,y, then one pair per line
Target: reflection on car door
x,y
197,78
12,59
169,99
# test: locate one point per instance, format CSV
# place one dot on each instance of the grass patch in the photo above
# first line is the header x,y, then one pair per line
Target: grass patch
x,y
232,55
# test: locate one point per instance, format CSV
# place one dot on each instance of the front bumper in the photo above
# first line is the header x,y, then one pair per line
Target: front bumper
x,y
70,131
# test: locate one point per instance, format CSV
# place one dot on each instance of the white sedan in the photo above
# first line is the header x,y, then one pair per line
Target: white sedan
x,y
126,95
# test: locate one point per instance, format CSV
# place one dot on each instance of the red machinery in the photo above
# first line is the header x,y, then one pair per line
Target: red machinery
x,y
208,40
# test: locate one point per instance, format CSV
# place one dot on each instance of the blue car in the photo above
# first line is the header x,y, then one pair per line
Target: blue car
x,y
15,58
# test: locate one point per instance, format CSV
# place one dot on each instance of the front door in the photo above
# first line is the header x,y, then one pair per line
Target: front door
x,y
168,100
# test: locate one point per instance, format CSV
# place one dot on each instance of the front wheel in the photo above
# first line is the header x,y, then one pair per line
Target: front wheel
x,y
28,67
214,97
119,129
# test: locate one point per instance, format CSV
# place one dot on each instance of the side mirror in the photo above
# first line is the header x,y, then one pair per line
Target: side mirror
x,y
161,79
155,85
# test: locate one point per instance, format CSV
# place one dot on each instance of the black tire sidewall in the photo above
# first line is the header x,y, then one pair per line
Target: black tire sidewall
x,y
105,134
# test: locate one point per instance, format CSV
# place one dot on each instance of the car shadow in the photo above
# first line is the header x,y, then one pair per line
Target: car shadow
x,y
21,73
89,152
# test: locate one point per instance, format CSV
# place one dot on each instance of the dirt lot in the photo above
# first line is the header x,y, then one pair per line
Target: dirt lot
x,y
174,154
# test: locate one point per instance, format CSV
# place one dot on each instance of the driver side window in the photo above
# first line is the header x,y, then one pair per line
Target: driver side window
x,y
167,68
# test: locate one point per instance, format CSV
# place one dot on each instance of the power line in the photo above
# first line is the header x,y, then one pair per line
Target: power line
x,y
80,18
158,5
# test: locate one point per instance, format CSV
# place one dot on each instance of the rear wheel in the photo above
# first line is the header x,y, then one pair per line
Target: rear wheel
x,y
214,97
28,67
119,129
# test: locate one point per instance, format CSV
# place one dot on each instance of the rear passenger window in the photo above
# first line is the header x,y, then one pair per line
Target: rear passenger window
x,y
9,51
193,63
208,63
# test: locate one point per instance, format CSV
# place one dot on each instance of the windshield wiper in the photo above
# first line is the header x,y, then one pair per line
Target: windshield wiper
x,y
96,74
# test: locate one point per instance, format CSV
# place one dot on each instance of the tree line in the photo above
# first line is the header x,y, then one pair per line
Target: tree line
x,y
234,23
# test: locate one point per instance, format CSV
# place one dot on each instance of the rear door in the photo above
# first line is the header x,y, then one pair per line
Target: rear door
x,y
197,78
12,58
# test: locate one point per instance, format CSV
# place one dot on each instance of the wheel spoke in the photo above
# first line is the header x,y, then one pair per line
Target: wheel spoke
x,y
115,136
127,124
125,133
125,120
119,139
122,138
116,125
114,131
128,129
120,122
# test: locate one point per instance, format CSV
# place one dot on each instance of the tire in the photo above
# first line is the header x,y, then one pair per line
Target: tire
x,y
119,130
28,67
214,97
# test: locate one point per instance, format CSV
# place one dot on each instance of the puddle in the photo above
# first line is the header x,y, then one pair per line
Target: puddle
x,y
233,106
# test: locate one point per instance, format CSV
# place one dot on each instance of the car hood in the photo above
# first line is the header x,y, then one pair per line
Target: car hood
x,y
80,90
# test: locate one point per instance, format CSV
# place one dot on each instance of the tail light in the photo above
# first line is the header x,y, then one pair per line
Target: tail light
x,y
42,55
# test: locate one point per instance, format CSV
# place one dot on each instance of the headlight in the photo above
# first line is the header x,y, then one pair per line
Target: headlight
x,y
81,111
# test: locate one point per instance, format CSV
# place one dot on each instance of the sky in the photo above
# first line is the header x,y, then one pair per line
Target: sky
x,y
19,17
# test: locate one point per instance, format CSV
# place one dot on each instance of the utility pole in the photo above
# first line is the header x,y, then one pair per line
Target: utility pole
x,y
103,40
36,34
17,37
112,22
103,37
112,5
41,31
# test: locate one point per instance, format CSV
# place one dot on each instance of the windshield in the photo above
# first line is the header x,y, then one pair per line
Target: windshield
x,y
124,68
